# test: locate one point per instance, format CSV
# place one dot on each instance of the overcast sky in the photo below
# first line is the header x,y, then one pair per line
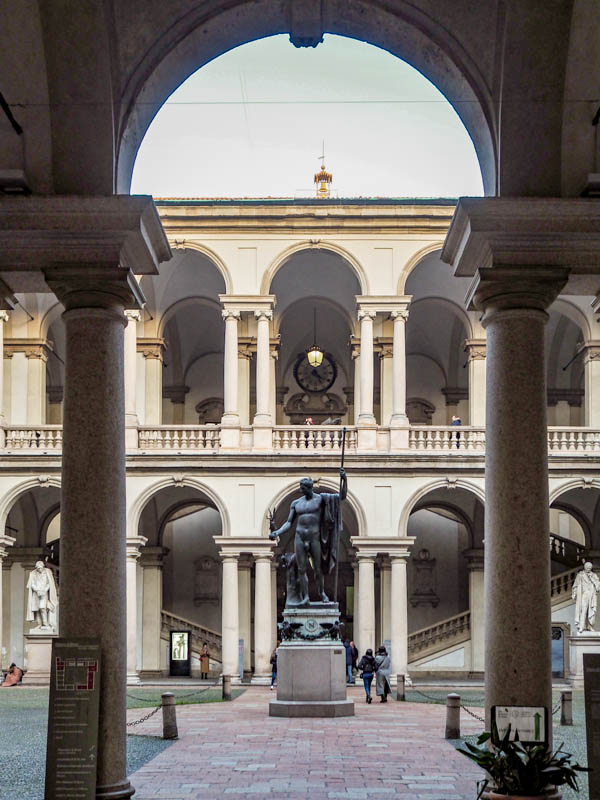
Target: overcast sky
x,y
251,124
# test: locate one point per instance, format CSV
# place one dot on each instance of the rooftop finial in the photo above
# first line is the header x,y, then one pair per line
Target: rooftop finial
x,y
323,178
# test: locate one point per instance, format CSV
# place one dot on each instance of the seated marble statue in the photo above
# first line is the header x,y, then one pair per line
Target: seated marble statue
x,y
42,599
317,516
13,676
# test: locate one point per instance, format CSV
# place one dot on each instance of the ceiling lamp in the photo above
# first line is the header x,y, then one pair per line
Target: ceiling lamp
x,y
314,353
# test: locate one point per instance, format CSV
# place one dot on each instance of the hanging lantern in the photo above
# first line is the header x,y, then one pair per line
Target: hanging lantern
x,y
315,353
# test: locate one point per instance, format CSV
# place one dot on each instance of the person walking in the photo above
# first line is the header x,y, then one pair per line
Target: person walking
x,y
369,667
274,668
204,662
350,677
354,656
382,662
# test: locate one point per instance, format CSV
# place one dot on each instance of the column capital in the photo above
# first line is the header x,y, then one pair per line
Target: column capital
x,y
228,557
101,287
383,304
263,557
133,315
392,546
176,394
355,347
475,349
151,347
3,316
33,348
474,556
231,313
263,313
400,314
590,350
514,289
153,556
133,545
366,313
384,346
5,542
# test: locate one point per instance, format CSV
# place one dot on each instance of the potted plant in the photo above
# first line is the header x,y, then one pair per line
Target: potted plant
x,y
519,771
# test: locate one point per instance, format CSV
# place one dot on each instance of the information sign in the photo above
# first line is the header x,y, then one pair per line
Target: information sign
x,y
530,722
72,749
591,687
180,653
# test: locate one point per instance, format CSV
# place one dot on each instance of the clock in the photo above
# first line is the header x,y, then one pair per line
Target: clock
x,y
315,379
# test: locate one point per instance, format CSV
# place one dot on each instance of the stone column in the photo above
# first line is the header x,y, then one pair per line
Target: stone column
x,y
273,356
263,370
152,574
152,350
5,542
517,559
133,553
37,358
591,362
245,609
399,417
355,624
385,598
131,417
244,362
386,382
366,602
356,359
231,415
177,394
55,398
399,616
273,606
230,629
476,606
366,416
475,349
262,616
93,525
3,319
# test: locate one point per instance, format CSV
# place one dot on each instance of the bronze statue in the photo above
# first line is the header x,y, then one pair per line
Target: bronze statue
x,y
318,522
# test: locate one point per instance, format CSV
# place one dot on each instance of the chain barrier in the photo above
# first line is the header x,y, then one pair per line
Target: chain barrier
x,y
556,708
441,700
472,713
144,718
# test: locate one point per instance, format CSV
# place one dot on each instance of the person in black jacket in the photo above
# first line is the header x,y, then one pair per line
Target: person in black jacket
x,y
274,667
350,677
369,668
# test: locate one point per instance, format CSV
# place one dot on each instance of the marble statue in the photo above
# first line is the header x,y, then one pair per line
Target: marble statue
x,y
42,600
585,591
317,516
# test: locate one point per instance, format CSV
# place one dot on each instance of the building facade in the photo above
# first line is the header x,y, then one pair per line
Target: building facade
x,y
224,414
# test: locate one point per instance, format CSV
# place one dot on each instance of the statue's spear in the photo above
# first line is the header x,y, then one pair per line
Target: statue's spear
x,y
340,524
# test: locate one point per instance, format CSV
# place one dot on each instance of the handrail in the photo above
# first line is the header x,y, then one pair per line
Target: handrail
x,y
451,627
313,438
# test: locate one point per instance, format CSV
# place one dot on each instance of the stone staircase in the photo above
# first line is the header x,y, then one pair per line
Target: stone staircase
x,y
200,634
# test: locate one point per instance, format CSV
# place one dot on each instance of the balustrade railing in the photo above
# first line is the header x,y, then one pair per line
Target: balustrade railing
x,y
573,440
37,439
565,551
179,437
447,631
561,585
448,438
312,438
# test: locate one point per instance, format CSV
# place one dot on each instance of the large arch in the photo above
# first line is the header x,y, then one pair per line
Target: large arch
x,y
14,494
216,260
279,261
439,483
414,261
198,36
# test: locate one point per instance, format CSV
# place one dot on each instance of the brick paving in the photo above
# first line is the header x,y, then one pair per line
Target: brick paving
x,y
235,749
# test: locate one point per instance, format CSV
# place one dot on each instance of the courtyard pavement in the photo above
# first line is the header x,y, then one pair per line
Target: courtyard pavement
x,y
235,749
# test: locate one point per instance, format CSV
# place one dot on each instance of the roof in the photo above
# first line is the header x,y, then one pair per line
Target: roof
x,y
307,201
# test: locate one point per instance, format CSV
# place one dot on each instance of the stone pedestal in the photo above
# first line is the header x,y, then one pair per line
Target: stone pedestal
x,y
311,665
38,654
578,645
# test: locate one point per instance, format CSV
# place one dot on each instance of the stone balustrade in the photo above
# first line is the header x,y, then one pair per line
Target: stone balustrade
x,y
561,585
315,440
448,631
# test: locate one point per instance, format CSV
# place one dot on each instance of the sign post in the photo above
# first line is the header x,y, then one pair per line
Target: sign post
x,y
72,749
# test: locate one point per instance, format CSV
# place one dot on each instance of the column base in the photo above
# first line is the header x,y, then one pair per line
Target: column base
x,y
366,437
230,437
152,674
398,438
115,791
262,437
588,642
133,679
261,680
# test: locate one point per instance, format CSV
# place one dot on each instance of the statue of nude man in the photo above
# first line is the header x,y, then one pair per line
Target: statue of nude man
x,y
309,511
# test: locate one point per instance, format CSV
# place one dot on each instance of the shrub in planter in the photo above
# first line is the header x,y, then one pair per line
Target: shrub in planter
x,y
519,770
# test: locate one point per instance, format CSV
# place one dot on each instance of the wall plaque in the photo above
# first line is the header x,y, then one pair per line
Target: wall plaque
x,y
180,653
72,748
591,686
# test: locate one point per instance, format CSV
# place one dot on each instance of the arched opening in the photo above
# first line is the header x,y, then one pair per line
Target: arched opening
x,y
316,295
179,576
565,373
158,82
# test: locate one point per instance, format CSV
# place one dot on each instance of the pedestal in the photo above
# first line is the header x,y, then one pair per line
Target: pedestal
x,y
38,654
588,642
311,665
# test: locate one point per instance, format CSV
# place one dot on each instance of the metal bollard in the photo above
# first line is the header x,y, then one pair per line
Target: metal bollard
x,y
566,707
226,687
400,687
453,716
169,716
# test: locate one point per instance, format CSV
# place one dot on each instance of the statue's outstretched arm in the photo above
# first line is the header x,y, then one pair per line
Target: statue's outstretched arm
x,y
286,525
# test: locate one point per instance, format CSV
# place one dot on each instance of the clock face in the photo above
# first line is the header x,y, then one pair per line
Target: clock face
x,y
315,379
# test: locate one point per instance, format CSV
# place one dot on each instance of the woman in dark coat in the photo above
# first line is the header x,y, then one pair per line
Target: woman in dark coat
x,y
368,667
382,661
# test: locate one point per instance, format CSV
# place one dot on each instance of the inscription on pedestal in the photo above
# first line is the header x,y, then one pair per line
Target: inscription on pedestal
x,y
72,748
591,683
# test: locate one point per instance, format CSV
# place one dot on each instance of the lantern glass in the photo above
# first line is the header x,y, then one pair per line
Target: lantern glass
x,y
315,356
